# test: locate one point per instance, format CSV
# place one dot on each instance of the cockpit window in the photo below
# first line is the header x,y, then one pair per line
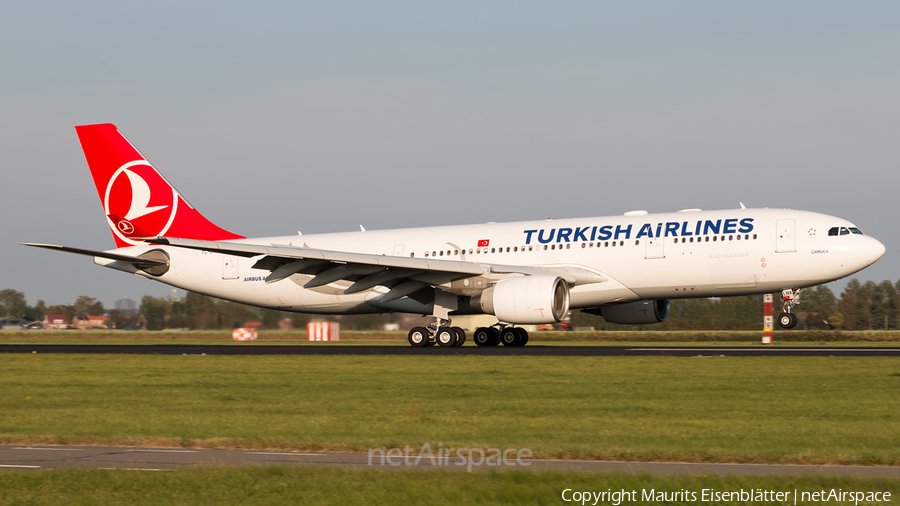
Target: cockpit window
x,y
844,231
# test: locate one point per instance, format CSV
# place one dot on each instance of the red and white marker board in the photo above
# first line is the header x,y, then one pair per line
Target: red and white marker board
x,y
323,331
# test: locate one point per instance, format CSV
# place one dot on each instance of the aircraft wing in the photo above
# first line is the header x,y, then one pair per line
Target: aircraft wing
x,y
403,275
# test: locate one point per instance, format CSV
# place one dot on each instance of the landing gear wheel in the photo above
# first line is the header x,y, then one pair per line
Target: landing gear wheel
x,y
486,336
787,320
509,336
446,336
460,335
523,337
418,337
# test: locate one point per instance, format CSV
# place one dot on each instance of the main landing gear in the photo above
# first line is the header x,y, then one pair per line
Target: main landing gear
x,y
439,332
787,319
508,335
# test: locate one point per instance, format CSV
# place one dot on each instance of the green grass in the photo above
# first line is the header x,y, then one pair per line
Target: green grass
x,y
317,485
554,338
783,410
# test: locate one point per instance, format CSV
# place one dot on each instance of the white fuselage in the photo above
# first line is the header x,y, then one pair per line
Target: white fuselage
x,y
638,256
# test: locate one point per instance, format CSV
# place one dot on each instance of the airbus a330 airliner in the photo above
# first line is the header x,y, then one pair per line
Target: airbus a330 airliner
x,y
625,268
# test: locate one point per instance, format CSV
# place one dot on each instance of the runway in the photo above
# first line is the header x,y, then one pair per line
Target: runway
x,y
37,457
538,350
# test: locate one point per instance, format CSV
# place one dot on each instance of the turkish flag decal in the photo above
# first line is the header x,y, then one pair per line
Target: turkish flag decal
x,y
483,243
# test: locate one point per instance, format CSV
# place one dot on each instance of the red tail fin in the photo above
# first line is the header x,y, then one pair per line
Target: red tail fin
x,y
136,198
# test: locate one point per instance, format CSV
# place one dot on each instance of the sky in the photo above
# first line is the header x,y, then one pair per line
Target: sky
x,y
274,117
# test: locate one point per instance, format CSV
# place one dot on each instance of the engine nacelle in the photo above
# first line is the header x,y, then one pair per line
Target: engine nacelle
x,y
528,299
641,312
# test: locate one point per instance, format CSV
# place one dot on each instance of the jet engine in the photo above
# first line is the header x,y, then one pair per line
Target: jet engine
x,y
527,299
644,311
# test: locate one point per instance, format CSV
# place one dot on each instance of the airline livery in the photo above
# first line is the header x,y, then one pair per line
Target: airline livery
x,y
625,268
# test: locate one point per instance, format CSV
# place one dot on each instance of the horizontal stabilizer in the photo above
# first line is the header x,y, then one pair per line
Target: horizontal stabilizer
x,y
137,261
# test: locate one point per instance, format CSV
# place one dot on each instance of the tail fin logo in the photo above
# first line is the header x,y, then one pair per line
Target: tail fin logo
x,y
125,227
142,197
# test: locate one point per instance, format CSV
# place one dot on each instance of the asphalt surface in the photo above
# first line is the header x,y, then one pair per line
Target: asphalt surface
x,y
530,350
166,459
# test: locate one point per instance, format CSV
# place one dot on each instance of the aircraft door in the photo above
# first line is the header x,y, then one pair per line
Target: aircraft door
x,y
656,247
785,239
398,250
229,267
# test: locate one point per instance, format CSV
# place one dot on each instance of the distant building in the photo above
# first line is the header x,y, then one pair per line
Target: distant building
x,y
126,306
56,322
90,322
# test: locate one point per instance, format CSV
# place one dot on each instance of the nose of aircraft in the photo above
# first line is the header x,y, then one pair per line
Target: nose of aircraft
x,y
874,250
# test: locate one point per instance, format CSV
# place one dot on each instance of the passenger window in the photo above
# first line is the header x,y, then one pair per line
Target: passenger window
x,y
412,255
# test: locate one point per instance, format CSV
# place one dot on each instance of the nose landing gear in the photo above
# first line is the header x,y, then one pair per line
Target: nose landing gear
x,y
787,319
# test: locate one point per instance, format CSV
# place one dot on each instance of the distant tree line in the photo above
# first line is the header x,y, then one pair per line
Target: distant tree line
x,y
861,306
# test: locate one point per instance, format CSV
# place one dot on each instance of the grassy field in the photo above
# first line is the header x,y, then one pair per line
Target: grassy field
x,y
720,409
313,485
614,338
